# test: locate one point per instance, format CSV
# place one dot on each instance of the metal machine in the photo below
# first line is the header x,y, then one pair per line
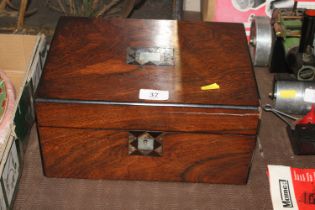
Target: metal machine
x,y
285,42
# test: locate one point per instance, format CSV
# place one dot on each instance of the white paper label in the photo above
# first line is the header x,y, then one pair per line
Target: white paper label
x,y
309,95
148,56
281,188
148,94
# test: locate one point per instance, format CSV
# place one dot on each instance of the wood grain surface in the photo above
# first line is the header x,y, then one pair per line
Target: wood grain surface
x,y
87,61
84,132
147,118
103,154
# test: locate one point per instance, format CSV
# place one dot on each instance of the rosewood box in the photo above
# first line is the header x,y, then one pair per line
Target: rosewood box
x,y
122,99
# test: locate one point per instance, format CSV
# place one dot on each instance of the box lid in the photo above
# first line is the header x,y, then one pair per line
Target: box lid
x,y
88,62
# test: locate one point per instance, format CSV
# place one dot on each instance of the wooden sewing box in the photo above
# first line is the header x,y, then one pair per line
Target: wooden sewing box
x,y
123,99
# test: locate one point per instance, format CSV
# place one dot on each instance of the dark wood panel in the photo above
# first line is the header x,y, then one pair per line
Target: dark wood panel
x,y
100,154
87,61
147,118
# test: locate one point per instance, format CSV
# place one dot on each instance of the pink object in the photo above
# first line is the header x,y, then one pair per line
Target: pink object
x,y
6,118
242,11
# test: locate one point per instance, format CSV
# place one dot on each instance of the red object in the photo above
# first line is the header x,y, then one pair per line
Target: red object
x,y
310,12
309,118
304,189
3,104
292,188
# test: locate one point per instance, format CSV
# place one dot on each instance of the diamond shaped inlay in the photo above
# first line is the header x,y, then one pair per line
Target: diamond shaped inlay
x,y
145,143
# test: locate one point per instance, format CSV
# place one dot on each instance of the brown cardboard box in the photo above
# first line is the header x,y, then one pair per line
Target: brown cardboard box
x,y
15,55
21,57
207,9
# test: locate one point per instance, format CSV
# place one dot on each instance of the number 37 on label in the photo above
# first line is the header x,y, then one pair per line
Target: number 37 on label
x,y
149,94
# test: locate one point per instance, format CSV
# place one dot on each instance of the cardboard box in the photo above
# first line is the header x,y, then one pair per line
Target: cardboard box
x,y
21,58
